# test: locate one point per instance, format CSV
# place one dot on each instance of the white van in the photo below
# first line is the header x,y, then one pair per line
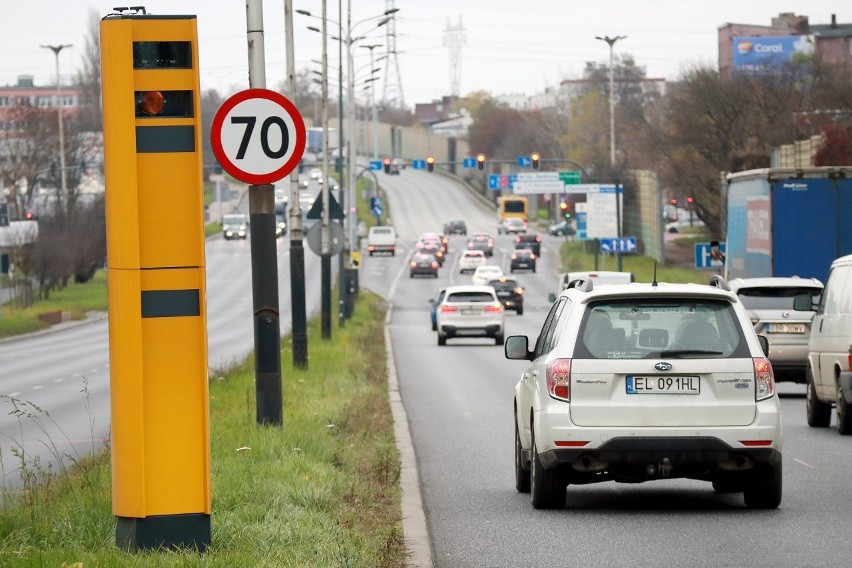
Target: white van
x,y
598,277
829,372
381,239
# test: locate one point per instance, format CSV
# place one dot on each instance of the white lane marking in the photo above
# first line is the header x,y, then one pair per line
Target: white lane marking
x,y
803,463
37,387
13,394
57,381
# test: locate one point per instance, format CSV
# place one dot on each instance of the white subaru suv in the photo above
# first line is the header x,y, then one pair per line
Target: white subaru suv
x,y
639,382
470,311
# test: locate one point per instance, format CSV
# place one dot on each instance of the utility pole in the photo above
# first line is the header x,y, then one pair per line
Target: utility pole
x,y
341,192
297,249
325,250
63,179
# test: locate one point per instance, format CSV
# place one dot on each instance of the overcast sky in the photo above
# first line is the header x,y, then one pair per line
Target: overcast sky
x,y
511,46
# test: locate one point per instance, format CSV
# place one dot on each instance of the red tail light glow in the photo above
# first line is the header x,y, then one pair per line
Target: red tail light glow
x,y
434,265
494,308
413,264
559,379
445,309
764,379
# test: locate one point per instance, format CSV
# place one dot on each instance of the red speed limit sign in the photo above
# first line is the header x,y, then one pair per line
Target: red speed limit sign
x,y
258,136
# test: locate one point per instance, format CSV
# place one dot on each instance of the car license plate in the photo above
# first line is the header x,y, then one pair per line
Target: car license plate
x,y
785,328
504,294
471,311
662,385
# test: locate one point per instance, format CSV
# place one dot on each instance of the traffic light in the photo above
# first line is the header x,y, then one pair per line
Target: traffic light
x,y
535,159
152,132
30,216
386,164
690,200
674,201
565,209
430,163
480,161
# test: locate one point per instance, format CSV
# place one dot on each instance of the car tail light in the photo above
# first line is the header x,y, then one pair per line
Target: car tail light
x,y
371,247
850,357
514,256
537,239
519,291
764,379
532,256
494,307
413,264
445,309
559,379
434,265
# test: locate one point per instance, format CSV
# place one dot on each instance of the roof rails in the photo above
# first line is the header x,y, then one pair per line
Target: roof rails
x,y
719,282
581,284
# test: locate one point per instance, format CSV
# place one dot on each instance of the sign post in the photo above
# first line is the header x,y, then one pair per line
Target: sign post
x,y
259,137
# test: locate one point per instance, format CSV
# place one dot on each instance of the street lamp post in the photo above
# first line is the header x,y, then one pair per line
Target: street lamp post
x,y
63,180
371,47
611,42
348,204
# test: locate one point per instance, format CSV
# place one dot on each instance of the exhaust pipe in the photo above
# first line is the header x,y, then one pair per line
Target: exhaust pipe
x,y
737,462
589,463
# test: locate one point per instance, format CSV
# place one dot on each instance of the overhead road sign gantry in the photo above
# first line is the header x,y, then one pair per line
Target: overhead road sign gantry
x,y
258,136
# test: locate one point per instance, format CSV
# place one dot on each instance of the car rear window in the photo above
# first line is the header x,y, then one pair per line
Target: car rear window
x,y
470,297
643,328
506,285
774,297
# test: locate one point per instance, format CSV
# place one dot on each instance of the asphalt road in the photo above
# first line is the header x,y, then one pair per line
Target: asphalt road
x,y
458,401
54,386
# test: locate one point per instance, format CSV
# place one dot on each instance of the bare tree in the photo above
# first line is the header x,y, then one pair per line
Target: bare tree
x,y
89,117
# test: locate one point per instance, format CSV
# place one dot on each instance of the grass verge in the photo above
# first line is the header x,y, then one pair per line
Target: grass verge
x,y
74,298
578,256
320,491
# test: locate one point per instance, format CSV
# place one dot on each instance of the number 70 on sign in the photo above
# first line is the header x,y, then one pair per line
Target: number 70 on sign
x,y
258,136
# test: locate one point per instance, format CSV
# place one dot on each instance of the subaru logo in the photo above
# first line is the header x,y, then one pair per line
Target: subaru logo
x,y
785,314
663,366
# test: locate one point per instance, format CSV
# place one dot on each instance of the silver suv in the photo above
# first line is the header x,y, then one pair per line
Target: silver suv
x,y
769,302
638,382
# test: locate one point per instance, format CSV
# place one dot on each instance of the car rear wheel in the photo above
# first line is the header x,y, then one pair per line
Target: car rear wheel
x,y
520,310
844,420
819,413
763,491
548,491
442,339
522,476
498,339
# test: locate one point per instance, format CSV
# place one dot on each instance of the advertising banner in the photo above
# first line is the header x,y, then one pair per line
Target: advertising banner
x,y
756,54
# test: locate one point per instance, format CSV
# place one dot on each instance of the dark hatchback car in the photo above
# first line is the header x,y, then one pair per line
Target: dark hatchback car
x,y
423,263
523,259
483,242
509,293
529,241
455,227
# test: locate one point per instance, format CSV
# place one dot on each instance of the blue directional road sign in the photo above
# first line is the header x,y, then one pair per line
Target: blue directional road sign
x,y
469,163
501,181
375,165
709,256
620,244
524,161
418,164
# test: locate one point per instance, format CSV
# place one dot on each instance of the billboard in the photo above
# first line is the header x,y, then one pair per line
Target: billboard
x,y
755,54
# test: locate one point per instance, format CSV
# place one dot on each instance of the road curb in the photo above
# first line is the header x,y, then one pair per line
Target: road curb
x,y
91,317
414,528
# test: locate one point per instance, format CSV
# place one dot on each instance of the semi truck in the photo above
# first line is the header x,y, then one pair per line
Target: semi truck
x,y
788,221
314,141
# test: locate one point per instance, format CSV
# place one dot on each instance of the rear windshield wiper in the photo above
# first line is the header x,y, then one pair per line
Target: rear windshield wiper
x,y
671,352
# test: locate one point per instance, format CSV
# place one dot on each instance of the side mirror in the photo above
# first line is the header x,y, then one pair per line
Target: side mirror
x,y
551,297
803,303
764,344
517,347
